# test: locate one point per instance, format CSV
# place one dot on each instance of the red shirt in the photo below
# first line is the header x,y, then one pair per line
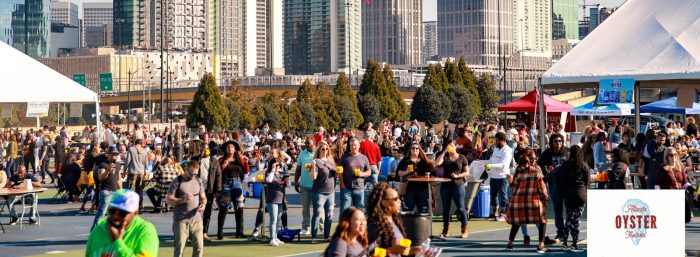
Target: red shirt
x,y
371,150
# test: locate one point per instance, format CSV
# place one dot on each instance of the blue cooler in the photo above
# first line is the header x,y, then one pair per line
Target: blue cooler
x,y
257,190
386,167
482,203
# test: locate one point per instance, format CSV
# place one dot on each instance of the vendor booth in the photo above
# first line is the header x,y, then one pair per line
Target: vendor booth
x,y
554,109
669,105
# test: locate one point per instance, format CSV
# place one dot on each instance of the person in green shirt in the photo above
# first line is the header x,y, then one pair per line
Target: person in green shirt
x,y
123,233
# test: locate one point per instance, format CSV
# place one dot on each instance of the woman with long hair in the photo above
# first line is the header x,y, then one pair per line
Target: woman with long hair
x,y
456,168
529,202
573,182
672,174
415,164
233,170
324,175
350,237
618,175
385,228
275,182
588,150
478,147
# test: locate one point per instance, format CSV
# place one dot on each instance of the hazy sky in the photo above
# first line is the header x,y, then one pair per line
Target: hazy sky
x,y
429,6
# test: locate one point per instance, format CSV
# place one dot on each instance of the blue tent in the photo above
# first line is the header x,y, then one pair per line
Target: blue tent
x,y
610,110
669,106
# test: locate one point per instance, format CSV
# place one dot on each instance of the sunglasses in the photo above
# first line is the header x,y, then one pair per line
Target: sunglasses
x,y
118,212
393,199
415,148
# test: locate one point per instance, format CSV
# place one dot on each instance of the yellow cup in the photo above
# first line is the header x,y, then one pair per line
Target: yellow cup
x,y
487,166
356,171
339,169
410,168
308,167
379,252
405,243
260,177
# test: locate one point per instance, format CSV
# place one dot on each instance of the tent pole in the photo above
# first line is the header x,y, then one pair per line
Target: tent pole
x,y
98,137
38,123
637,103
542,114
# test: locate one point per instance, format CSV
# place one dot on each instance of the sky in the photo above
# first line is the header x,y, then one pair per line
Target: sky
x,y
429,6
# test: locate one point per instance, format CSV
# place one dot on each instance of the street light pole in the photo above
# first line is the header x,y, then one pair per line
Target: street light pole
x,y
128,109
348,36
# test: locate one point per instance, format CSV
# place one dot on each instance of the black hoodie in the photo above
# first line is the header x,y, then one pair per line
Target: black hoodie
x,y
572,182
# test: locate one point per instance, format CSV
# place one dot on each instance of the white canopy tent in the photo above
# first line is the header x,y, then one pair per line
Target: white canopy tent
x,y
654,42
27,80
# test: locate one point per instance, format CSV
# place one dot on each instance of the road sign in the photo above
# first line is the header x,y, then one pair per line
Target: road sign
x,y
106,82
80,78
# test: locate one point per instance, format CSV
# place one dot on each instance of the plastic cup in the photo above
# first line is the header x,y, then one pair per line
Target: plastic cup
x,y
339,169
405,242
260,177
410,168
487,166
379,252
308,167
356,171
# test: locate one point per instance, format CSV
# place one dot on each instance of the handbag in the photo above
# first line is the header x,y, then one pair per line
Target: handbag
x,y
288,235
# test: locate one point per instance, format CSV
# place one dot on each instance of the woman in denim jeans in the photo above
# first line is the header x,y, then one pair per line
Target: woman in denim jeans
x,y
275,178
324,174
456,168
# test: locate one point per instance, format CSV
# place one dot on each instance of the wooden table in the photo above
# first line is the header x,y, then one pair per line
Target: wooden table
x,y
21,193
430,194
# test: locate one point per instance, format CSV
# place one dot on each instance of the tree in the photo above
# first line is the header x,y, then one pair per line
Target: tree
x,y
400,111
468,76
240,103
489,98
376,82
462,104
443,82
432,78
269,109
326,109
454,76
430,105
346,102
207,106
369,106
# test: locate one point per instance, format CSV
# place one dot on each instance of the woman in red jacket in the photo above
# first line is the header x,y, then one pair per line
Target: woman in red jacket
x,y
672,174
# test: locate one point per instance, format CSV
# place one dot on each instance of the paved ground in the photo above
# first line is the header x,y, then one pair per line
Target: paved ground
x,y
63,233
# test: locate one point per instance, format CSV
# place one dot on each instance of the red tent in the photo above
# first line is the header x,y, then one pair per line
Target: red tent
x,y
529,103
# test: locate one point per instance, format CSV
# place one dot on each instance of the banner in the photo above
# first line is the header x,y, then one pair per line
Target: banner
x,y
6,110
37,109
76,110
613,91
636,223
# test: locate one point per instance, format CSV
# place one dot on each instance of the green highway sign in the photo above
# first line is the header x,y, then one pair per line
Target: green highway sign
x,y
106,82
80,78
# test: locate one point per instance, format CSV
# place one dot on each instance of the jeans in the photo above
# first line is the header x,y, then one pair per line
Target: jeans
x,y
105,198
184,230
28,199
323,202
352,197
416,199
558,213
135,183
89,193
306,201
499,187
273,209
375,175
45,169
451,192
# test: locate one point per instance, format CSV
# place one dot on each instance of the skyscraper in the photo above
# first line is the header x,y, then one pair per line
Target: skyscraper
x,y
322,36
225,36
185,25
565,19
594,19
132,23
430,40
25,25
392,31
262,37
64,13
471,29
533,25
97,24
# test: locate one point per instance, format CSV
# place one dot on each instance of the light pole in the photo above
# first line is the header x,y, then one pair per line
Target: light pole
x,y
128,96
348,35
522,48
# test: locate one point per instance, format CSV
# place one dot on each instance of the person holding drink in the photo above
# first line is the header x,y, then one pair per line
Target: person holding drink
x,y
352,182
324,173
456,168
416,164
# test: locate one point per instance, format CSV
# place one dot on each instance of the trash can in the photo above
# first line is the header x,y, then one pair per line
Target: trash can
x,y
417,226
482,203
471,191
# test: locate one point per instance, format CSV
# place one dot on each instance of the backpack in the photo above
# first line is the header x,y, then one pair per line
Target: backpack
x,y
618,177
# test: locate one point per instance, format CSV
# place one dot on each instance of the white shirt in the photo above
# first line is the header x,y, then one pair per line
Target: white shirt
x,y
500,162
248,142
158,141
510,136
278,135
397,132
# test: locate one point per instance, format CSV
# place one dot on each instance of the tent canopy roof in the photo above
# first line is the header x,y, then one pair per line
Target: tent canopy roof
x,y
610,110
27,80
648,40
529,103
669,105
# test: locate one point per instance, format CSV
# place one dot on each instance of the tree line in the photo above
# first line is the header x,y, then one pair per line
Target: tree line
x,y
451,93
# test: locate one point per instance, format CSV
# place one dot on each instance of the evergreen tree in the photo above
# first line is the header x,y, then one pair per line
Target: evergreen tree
x,y
454,76
430,105
443,82
207,106
462,104
343,93
326,110
372,80
489,98
369,106
240,103
468,76
401,109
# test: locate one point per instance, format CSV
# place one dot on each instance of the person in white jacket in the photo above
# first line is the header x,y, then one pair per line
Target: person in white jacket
x,y
498,168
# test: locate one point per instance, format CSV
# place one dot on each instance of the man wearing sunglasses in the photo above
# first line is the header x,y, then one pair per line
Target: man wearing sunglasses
x,y
123,232
553,157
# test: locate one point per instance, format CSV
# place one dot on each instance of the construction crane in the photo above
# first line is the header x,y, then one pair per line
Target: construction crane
x,y
584,5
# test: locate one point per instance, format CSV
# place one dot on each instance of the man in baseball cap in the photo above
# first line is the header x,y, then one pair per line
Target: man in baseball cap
x,y
123,232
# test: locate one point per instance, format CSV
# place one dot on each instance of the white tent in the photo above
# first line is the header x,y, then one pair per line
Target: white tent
x,y
648,40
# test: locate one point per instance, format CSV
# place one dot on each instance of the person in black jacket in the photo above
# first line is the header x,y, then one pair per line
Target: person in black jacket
x,y
573,178
553,157
618,176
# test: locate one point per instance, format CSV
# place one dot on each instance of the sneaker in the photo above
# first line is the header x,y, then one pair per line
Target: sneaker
x,y
526,241
256,233
32,221
279,241
565,247
313,241
542,250
305,231
274,242
13,221
501,218
549,241
509,247
206,238
575,248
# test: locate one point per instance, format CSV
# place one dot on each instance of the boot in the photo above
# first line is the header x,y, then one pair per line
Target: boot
x,y
465,232
220,224
445,228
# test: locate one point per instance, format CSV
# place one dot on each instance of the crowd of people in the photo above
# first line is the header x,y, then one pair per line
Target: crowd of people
x,y
193,172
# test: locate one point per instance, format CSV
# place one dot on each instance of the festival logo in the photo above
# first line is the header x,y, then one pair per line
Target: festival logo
x,y
636,220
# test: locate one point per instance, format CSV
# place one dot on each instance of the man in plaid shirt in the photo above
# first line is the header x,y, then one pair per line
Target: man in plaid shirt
x,y
163,176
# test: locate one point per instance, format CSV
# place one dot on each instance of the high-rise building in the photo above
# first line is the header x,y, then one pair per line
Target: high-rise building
x,y
322,36
594,18
226,34
64,13
97,24
262,37
430,40
605,13
565,19
132,23
392,31
26,25
471,29
532,25
583,28
64,39
185,24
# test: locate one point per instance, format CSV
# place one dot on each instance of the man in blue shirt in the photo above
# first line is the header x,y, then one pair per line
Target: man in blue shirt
x,y
17,180
303,182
